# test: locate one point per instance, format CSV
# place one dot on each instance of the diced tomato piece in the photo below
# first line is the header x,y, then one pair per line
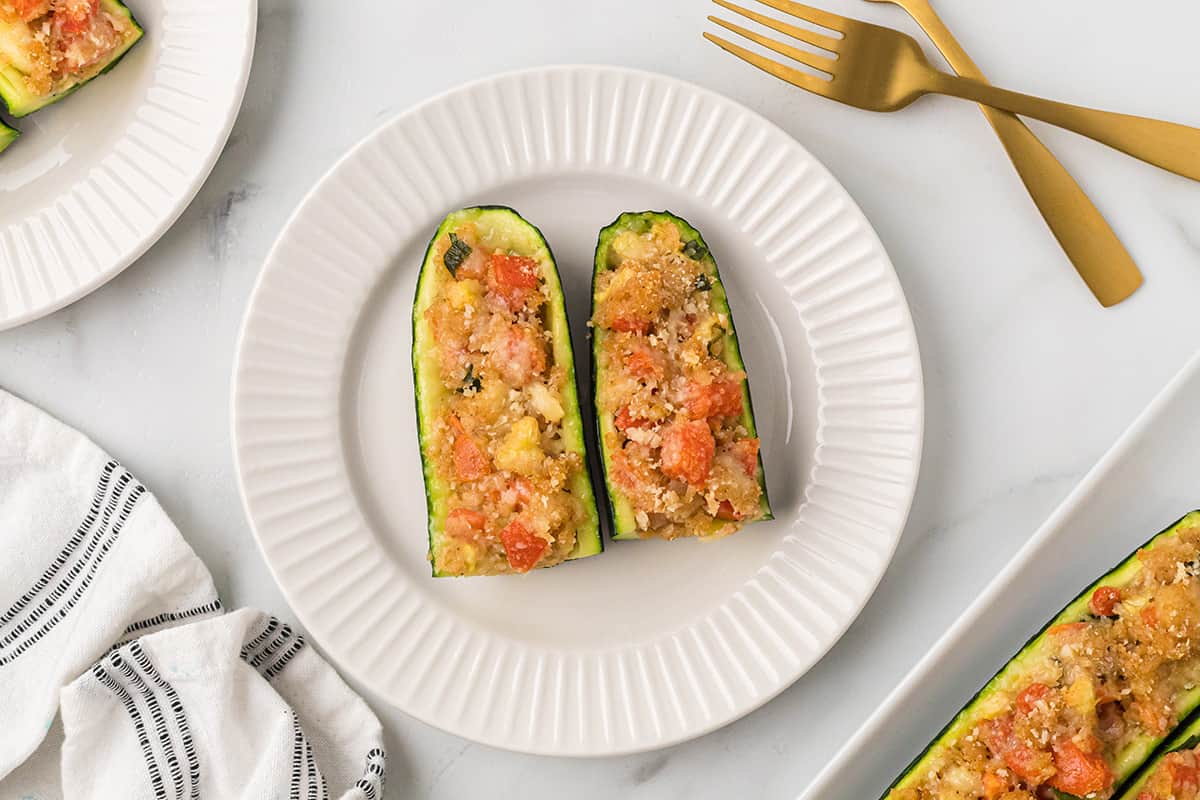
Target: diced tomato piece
x,y
746,451
1028,699
993,785
1078,772
716,399
464,523
1032,766
73,17
626,420
513,278
643,363
1066,628
31,9
521,547
687,451
1104,600
470,462
1149,616
725,511
1185,777
1145,796
630,325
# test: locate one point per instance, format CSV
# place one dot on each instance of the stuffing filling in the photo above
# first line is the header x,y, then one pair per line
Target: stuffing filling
x,y
56,44
672,410
498,444
1092,690
1176,777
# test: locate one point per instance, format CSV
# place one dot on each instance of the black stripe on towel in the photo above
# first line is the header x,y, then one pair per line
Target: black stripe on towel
x,y
131,709
166,618
81,586
257,641
94,539
72,545
181,724
166,741
297,757
374,775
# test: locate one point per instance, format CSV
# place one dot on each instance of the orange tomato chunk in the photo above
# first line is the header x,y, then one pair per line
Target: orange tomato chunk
x,y
630,325
1079,773
1028,699
513,278
1104,600
716,399
464,523
470,462
687,451
522,548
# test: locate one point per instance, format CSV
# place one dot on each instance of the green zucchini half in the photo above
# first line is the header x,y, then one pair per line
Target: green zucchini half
x,y
508,230
621,515
1139,749
1187,738
8,135
14,89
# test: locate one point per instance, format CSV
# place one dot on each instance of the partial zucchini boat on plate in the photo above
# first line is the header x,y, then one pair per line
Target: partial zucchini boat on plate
x,y
8,135
1088,699
49,49
676,428
502,445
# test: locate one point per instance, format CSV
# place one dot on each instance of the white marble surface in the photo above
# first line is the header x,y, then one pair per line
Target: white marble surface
x,y
1028,381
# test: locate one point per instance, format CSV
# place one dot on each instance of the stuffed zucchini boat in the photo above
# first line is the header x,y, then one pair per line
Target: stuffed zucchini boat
x,y
1174,772
8,135
49,48
1083,705
502,446
676,429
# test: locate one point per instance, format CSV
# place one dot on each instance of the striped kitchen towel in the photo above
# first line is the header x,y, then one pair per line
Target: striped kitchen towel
x,y
105,609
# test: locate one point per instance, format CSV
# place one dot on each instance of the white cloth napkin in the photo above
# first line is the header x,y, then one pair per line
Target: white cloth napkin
x,y
106,609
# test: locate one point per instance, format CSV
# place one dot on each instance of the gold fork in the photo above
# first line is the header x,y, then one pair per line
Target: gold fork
x,y
880,69
1087,239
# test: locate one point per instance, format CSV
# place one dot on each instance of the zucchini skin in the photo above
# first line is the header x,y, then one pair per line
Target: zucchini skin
x,y
1070,613
731,355
8,135
588,539
1187,738
21,102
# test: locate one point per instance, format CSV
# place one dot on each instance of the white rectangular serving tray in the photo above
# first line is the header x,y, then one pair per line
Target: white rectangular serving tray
x,y
1148,480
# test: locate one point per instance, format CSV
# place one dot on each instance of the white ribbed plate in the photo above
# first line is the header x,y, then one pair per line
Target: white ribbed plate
x,y
97,178
651,642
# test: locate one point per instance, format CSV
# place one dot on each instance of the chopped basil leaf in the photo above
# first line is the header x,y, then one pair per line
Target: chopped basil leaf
x,y
471,380
456,254
694,250
703,284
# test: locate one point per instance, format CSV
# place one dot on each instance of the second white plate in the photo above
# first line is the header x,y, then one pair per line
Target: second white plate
x,y
651,642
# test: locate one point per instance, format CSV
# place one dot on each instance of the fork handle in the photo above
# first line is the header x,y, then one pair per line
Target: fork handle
x,y
1168,145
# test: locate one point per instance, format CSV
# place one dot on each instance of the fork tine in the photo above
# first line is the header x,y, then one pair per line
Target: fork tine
x,y
793,76
813,60
802,34
814,15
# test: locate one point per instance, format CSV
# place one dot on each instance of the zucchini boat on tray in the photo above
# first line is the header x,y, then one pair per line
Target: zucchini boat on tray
x,y
497,409
49,48
1085,703
673,414
1174,772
